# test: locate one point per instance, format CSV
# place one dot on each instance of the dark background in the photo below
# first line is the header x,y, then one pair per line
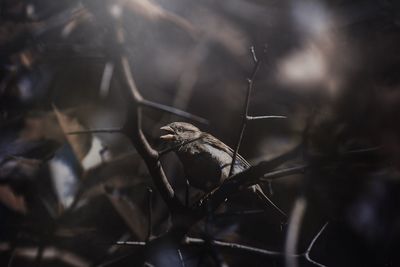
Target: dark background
x,y
329,66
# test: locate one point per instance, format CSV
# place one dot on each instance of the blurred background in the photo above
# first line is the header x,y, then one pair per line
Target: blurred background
x,y
331,66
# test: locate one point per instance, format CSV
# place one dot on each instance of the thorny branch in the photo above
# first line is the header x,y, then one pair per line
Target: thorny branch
x,y
243,180
245,115
133,130
198,241
183,216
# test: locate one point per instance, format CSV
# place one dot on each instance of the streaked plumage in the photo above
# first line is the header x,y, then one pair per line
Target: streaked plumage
x,y
207,160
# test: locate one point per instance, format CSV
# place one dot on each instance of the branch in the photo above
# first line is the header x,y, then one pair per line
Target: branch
x,y
132,127
172,110
292,236
245,115
181,257
246,108
308,251
253,118
91,131
196,241
248,177
133,130
131,243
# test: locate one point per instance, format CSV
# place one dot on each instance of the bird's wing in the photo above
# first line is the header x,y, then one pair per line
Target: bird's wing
x,y
211,140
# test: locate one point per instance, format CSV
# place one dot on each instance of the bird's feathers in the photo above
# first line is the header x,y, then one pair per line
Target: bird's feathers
x,y
207,160
214,142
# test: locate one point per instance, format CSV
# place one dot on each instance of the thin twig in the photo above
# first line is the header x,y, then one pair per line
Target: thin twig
x,y
181,257
195,241
91,131
239,213
283,173
308,251
172,110
246,109
150,208
131,243
253,54
248,177
187,192
315,238
253,118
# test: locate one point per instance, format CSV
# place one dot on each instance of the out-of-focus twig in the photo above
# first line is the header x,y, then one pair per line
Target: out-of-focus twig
x,y
91,131
172,110
150,212
292,235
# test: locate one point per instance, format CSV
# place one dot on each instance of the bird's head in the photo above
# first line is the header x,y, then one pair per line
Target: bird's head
x,y
178,132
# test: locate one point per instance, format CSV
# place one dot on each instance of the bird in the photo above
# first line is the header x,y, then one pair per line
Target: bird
x,y
206,160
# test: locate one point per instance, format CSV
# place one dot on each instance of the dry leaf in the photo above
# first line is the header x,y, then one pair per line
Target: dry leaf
x,y
80,143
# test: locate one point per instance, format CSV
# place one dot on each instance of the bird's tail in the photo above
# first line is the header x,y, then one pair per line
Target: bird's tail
x,y
261,195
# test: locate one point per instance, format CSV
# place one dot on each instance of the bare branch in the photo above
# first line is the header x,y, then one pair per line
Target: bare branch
x,y
253,118
133,130
315,238
181,257
91,131
282,173
195,241
245,109
172,110
131,243
198,241
308,251
243,180
253,54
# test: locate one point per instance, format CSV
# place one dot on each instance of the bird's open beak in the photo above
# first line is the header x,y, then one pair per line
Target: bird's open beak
x,y
171,133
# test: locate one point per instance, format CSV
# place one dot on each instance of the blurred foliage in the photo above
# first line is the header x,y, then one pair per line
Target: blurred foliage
x,y
332,67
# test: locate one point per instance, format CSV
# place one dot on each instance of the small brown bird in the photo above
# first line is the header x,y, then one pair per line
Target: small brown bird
x,y
207,160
